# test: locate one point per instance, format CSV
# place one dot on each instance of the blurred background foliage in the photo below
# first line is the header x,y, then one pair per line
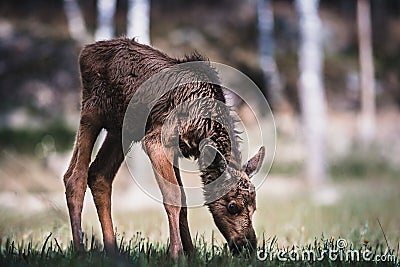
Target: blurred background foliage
x,y
39,81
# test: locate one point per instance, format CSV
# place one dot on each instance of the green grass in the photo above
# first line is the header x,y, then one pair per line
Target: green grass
x,y
358,165
365,215
361,164
139,251
296,223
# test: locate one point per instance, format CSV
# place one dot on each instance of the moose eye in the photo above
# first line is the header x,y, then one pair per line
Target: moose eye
x,y
233,208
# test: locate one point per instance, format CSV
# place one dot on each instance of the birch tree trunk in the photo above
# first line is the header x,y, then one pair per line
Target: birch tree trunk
x,y
139,20
76,23
105,31
138,27
367,85
266,49
311,91
105,15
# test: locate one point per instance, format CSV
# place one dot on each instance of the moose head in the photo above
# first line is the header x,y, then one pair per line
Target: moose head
x,y
233,211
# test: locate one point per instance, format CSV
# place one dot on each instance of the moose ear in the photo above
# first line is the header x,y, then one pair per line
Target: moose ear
x,y
254,164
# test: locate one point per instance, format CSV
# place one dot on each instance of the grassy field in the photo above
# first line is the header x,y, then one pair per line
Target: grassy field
x,y
360,210
139,251
294,223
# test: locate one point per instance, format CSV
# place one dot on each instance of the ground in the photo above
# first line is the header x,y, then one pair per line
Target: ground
x,y
287,212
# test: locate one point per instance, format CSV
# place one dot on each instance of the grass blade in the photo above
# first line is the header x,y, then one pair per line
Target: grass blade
x,y
44,245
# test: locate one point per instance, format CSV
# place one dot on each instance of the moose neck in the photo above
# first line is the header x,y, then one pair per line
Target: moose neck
x,y
225,141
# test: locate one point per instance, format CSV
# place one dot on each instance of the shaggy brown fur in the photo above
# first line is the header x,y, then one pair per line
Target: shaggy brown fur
x,y
111,73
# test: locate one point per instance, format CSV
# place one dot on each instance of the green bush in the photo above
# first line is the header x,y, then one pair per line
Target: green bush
x,y
26,141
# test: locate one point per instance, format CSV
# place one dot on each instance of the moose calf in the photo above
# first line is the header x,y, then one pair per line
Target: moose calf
x,y
111,73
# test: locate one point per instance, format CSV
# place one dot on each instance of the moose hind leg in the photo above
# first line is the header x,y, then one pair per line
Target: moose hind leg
x,y
101,175
75,179
72,163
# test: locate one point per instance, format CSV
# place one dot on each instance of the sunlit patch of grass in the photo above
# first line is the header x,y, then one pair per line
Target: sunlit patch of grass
x,y
298,219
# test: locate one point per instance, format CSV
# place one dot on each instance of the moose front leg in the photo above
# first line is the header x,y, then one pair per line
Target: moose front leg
x,y
169,186
183,222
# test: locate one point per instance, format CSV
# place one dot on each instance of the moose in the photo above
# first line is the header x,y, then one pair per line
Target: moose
x,y
111,73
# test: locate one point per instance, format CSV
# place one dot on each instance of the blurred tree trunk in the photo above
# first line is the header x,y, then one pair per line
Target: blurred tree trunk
x,y
138,27
105,31
139,20
105,23
273,86
366,72
76,23
311,91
